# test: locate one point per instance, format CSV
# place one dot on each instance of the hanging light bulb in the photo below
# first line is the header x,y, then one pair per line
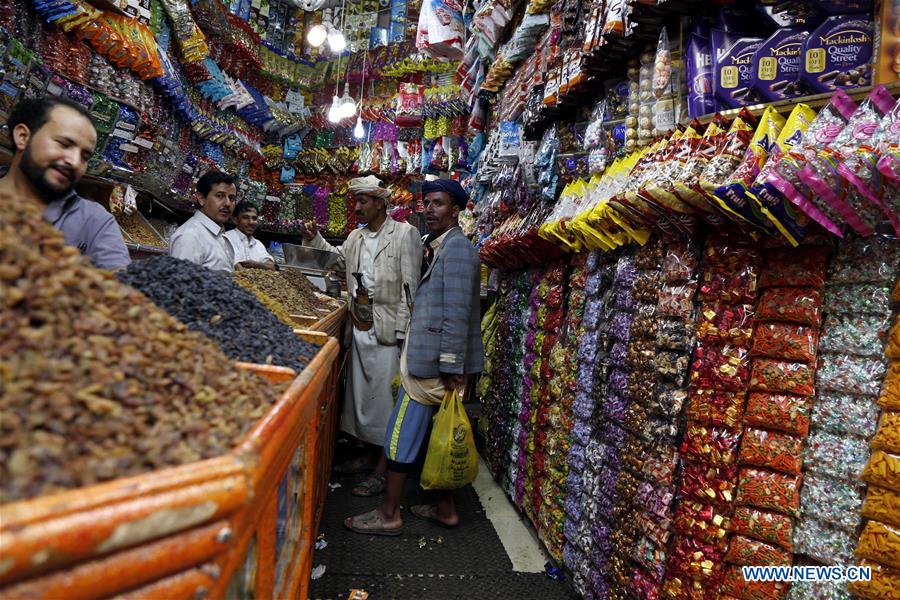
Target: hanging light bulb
x,y
358,131
334,111
316,36
348,106
336,41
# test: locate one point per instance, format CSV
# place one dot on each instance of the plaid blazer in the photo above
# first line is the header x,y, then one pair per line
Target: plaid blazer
x,y
445,329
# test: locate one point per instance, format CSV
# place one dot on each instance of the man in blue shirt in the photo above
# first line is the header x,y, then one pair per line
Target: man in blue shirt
x,y
53,139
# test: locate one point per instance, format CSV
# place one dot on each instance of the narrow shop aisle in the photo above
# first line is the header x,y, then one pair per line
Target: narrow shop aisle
x,y
429,562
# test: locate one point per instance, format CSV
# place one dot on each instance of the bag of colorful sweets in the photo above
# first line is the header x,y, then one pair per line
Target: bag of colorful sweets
x,y
770,527
750,552
839,202
781,412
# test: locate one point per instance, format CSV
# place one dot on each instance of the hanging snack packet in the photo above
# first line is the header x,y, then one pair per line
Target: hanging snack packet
x,y
769,491
697,560
689,175
750,552
714,446
723,368
842,414
785,341
887,438
728,157
861,299
770,527
780,452
866,260
764,196
892,349
850,374
882,505
834,502
802,267
841,203
890,394
881,543
883,470
790,414
730,323
780,376
824,543
862,335
716,485
842,458
703,522
792,304
715,407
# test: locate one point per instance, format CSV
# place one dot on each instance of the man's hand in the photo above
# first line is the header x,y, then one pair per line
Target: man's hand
x,y
452,381
310,229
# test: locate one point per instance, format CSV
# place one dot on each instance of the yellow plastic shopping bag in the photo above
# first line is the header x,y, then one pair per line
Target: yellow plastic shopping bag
x,y
451,461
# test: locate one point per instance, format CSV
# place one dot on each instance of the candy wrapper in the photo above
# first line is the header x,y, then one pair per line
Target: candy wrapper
x,y
882,505
785,341
651,557
680,264
887,437
713,407
660,468
672,366
866,260
735,585
861,299
750,552
702,522
696,560
881,543
774,528
882,586
850,374
791,304
844,415
769,491
827,544
677,300
659,530
729,286
883,470
732,323
704,483
834,502
862,335
780,376
778,451
724,368
834,456
647,584
797,267
715,446
780,412
675,334
890,394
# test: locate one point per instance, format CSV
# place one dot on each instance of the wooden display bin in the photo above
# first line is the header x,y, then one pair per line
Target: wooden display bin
x,y
238,526
331,324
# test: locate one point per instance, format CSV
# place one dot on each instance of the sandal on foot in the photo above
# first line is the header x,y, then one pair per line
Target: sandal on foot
x,y
372,486
426,513
370,523
353,467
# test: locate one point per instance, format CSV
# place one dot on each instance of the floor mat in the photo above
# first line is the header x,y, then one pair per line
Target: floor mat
x,y
427,561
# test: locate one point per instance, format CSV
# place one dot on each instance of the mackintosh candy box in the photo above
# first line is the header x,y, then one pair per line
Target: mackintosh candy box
x,y
734,73
777,65
838,54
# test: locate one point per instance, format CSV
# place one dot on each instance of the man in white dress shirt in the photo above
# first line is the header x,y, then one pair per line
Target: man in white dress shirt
x,y
201,240
249,252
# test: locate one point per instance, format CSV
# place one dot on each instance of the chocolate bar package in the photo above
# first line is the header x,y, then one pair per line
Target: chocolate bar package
x,y
778,62
734,73
699,68
838,54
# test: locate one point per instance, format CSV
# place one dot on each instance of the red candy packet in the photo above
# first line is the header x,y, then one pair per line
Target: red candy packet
x,y
771,375
769,491
804,266
749,552
780,452
792,304
779,411
766,526
785,341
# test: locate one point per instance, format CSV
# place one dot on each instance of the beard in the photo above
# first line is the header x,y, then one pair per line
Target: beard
x,y
37,177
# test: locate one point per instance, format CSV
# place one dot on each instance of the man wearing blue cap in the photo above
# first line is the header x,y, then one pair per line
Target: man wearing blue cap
x,y
443,347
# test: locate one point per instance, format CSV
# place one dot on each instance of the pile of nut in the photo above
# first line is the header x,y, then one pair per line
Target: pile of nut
x,y
137,231
288,288
96,382
211,303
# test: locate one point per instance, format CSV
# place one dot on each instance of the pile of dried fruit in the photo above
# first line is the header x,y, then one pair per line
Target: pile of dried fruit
x,y
96,382
137,231
213,304
283,287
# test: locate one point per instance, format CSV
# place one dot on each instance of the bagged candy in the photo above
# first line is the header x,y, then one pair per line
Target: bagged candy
x,y
735,585
842,414
656,529
713,407
888,436
883,470
824,543
702,522
779,376
860,299
780,452
672,366
680,264
796,267
862,335
769,491
850,374
890,394
780,412
660,467
835,456
834,502
675,334
677,300
651,557
724,368
750,552
882,505
730,285
714,446
668,402
731,323
702,482
785,341
792,304
866,260
883,584
881,543
768,527
697,560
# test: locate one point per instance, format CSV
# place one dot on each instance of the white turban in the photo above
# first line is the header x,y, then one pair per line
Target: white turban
x,y
370,186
